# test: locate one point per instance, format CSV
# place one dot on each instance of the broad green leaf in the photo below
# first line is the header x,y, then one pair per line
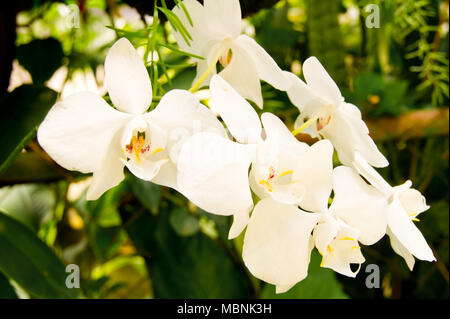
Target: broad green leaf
x,y
321,283
23,111
148,193
29,262
31,167
41,58
31,204
187,267
183,222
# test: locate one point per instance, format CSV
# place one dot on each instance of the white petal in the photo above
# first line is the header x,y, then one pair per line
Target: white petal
x,y
278,134
77,131
412,200
341,134
110,173
202,67
320,81
127,79
342,249
401,250
224,16
167,176
198,30
324,232
277,243
213,174
406,232
359,205
181,114
239,116
302,96
371,175
240,221
268,70
146,169
363,142
315,173
255,186
242,75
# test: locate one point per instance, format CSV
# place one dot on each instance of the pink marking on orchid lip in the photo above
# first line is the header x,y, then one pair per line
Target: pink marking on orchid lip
x,y
271,173
145,149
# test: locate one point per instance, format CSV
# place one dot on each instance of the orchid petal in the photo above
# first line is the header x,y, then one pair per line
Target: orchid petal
x,y
412,200
181,115
371,175
213,174
278,134
359,205
363,142
111,172
315,173
240,221
338,246
167,176
127,79
406,232
242,74
239,116
278,243
302,96
268,70
224,16
401,250
77,131
321,82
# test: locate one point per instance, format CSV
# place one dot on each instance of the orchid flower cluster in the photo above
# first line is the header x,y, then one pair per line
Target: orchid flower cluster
x,y
182,144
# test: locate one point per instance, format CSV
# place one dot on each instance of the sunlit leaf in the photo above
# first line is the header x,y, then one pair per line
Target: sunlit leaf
x,y
29,262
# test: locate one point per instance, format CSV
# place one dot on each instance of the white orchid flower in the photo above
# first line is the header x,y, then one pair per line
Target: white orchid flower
x,y
282,167
278,243
84,133
325,114
290,171
405,204
338,244
359,205
357,214
213,170
216,37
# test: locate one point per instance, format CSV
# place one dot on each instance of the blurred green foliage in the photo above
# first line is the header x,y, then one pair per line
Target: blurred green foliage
x,y
140,240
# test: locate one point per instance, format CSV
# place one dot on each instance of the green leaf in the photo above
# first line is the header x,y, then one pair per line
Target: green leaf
x,y
6,290
321,283
175,49
177,24
148,193
184,223
29,262
41,58
30,204
23,110
31,167
186,267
